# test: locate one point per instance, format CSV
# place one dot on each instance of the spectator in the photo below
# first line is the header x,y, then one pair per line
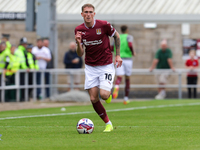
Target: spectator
x,y
5,38
3,54
192,77
22,54
126,53
163,60
72,60
11,67
43,56
49,66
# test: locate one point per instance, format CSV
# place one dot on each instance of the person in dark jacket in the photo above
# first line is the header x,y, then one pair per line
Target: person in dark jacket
x,y
73,61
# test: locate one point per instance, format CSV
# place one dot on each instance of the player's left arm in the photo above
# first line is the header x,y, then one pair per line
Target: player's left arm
x,y
118,59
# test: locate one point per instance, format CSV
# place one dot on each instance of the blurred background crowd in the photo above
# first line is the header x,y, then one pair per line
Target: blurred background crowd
x,y
155,25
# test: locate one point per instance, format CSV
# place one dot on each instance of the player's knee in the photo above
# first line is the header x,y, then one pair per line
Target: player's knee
x,y
105,96
93,99
127,77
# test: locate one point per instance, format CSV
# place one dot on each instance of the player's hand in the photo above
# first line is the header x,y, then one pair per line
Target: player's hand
x,y
78,37
118,61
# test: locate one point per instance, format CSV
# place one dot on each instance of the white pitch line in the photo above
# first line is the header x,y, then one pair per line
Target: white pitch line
x,y
95,126
113,110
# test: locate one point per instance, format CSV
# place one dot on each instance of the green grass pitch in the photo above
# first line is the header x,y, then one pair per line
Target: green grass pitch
x,y
140,125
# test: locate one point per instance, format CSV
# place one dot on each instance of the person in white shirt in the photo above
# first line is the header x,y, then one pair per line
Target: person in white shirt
x,y
43,56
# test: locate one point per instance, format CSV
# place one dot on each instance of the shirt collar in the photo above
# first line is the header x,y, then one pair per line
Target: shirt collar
x,y
92,26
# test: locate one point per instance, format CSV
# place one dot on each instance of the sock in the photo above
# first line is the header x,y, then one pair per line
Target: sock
x,y
126,98
127,87
109,122
118,80
100,110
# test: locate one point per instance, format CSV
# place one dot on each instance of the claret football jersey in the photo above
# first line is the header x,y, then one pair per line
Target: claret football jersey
x,y
96,42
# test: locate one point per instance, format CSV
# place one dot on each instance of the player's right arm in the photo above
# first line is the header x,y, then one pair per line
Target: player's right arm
x,y
118,59
78,39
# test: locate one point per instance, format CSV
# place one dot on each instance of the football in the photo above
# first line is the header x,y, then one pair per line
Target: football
x,y
85,126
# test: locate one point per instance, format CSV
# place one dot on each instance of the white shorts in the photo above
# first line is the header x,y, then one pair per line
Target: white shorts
x,y
126,67
100,76
162,78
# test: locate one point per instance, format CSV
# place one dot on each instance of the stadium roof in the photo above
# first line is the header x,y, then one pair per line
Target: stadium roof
x,y
121,10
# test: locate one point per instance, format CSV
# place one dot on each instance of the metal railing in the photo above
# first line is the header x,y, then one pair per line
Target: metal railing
x,y
54,73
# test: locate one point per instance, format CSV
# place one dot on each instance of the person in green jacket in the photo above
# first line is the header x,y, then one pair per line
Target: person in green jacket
x,y
5,38
21,52
126,53
3,54
12,65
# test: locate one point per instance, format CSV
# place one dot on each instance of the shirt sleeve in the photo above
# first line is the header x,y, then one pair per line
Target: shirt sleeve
x,y
157,55
48,53
33,51
197,63
170,54
186,63
66,60
26,58
130,38
7,62
110,29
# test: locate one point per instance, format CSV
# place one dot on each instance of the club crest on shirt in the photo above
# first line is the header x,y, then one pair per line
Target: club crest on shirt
x,y
98,31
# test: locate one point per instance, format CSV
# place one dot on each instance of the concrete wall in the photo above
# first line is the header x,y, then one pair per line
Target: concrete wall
x,y
147,41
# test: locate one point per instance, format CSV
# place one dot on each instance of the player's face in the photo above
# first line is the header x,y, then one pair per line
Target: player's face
x,y
88,14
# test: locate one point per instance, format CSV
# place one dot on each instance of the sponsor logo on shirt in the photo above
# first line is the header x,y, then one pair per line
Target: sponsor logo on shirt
x,y
98,31
96,42
83,33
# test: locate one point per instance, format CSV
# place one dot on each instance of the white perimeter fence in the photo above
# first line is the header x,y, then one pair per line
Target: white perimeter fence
x,y
54,73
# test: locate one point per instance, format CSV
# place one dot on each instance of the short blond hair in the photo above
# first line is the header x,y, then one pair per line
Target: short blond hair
x,y
87,5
